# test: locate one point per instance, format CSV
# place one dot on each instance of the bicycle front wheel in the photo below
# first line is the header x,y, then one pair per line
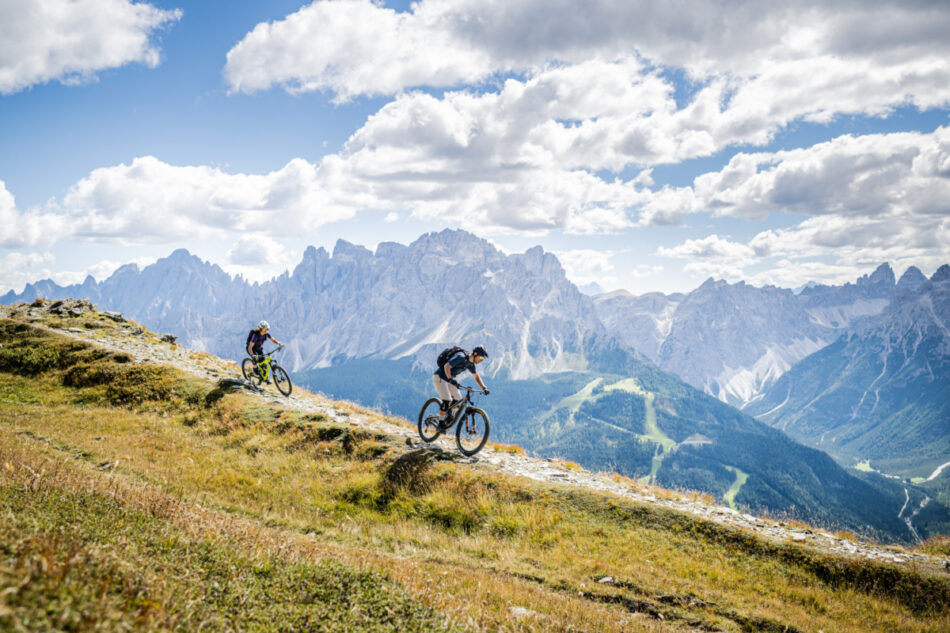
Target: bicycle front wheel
x,y
429,420
247,368
472,431
281,379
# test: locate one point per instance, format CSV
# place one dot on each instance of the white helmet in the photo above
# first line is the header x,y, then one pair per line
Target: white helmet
x,y
263,325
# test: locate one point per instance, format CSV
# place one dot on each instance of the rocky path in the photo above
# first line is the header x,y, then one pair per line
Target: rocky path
x,y
147,347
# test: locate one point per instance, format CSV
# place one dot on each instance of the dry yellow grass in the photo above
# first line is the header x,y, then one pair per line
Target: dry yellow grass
x,y
469,542
514,449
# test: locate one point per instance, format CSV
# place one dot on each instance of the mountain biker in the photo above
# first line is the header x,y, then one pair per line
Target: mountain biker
x,y
444,376
255,341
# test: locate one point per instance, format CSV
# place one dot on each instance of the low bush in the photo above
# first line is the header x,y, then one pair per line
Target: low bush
x,y
936,545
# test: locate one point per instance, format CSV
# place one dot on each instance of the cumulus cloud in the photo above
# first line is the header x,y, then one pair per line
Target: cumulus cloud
x,y
587,266
151,201
258,258
865,200
454,160
19,268
757,67
71,40
358,47
19,229
99,271
713,256
866,176
644,271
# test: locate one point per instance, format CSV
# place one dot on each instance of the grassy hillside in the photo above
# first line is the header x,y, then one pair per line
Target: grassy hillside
x,y
654,428
137,497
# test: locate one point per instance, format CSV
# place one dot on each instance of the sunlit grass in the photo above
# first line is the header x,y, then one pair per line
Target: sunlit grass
x,y
463,539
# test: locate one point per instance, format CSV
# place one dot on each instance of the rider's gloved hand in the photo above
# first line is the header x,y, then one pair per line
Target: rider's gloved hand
x,y
486,392
454,382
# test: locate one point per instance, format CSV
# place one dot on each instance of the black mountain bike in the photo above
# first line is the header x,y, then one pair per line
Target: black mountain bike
x,y
471,434
267,369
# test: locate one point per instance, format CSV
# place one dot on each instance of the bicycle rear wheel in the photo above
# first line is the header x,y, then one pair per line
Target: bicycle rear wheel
x,y
281,379
472,432
429,420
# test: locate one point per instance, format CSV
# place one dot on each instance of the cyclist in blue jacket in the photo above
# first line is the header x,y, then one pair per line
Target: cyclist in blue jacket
x,y
457,363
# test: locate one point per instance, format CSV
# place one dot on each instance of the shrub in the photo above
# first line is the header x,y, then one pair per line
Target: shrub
x,y
412,471
141,383
936,545
90,374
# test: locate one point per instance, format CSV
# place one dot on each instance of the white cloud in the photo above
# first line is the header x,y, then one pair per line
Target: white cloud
x,y
21,267
19,229
593,98
351,47
99,271
152,201
457,161
586,266
644,271
358,47
17,269
258,257
714,256
863,176
795,273
71,40
709,247
866,200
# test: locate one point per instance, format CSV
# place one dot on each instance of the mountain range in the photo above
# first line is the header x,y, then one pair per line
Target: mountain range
x,y
572,376
735,340
879,393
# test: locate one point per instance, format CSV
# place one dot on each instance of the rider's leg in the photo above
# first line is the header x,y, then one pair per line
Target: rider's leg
x,y
448,392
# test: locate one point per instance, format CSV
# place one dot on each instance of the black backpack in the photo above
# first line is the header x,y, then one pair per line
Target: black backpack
x,y
448,353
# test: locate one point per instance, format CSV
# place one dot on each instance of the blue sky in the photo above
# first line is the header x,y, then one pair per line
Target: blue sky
x,y
649,147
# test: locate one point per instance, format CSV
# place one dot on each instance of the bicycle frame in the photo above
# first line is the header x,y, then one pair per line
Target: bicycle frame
x,y
265,364
463,410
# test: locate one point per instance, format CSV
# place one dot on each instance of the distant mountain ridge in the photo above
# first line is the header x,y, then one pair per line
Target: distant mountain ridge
x,y
881,392
401,301
735,340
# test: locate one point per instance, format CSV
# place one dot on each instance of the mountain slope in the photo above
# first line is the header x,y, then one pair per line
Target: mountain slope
x,y
879,393
650,426
734,340
193,507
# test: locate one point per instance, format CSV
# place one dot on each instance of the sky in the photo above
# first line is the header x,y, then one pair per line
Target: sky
x,y
649,145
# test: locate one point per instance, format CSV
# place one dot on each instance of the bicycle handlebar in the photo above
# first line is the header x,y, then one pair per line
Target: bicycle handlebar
x,y
472,389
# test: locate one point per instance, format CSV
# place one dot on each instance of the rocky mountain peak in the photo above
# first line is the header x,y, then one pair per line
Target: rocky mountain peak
x,y
456,245
942,274
911,280
348,250
391,250
312,254
542,264
712,284
882,275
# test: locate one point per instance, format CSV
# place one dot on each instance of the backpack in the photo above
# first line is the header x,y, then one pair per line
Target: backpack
x,y
448,353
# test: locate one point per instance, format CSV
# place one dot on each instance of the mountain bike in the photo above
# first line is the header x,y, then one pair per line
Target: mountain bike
x,y
267,369
471,432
